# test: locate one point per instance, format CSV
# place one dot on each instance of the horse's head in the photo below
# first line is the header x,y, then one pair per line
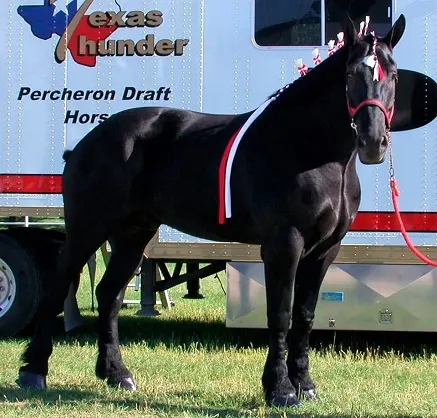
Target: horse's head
x,y
371,76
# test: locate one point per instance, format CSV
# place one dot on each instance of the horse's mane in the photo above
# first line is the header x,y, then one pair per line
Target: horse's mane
x,y
325,75
321,78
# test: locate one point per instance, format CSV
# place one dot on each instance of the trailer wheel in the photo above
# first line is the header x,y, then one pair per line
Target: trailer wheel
x,y
19,288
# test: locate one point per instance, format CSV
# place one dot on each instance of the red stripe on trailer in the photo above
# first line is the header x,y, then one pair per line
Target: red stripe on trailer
x,y
31,183
364,222
386,222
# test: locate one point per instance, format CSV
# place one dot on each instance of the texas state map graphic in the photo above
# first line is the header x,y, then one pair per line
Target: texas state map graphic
x,y
46,21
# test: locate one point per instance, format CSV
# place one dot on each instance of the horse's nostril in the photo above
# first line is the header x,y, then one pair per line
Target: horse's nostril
x,y
384,142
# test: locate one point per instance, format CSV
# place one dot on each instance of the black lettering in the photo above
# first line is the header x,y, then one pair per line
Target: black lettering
x,y
78,95
159,92
98,95
54,95
85,118
70,116
36,95
110,95
66,94
129,93
103,117
24,91
166,93
150,95
139,93
94,117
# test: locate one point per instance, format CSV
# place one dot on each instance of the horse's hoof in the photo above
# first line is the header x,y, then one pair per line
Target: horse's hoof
x,y
29,380
126,383
285,400
310,395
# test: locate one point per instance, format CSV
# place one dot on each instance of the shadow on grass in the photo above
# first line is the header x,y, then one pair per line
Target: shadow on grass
x,y
210,335
60,397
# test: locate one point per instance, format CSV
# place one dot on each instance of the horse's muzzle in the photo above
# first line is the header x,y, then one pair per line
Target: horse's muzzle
x,y
371,150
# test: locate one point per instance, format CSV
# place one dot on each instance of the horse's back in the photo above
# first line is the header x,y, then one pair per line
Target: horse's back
x,y
158,125
154,159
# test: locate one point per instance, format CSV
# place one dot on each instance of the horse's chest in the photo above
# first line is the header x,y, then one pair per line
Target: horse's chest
x,y
330,207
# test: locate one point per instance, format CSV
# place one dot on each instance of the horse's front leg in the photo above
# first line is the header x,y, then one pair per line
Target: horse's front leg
x,y
309,278
281,258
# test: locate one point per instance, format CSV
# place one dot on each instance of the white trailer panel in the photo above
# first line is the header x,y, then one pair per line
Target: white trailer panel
x,y
216,57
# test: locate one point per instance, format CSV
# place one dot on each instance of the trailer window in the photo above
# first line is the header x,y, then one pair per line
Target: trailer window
x,y
380,12
285,22
299,22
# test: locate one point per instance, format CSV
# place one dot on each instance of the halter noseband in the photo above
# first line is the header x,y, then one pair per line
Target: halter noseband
x,y
388,114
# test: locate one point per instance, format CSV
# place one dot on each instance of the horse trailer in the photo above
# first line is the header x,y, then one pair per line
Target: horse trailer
x,y
67,65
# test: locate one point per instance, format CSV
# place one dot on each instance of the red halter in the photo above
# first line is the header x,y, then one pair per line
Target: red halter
x,y
371,102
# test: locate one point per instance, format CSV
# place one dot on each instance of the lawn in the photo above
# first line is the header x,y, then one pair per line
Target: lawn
x,y
187,364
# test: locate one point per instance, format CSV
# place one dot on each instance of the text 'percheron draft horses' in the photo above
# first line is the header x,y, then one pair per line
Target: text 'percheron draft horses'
x,y
295,192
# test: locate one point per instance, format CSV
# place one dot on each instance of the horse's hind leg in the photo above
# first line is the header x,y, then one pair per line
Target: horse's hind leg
x,y
79,246
309,278
126,253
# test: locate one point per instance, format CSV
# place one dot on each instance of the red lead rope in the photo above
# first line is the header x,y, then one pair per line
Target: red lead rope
x,y
394,195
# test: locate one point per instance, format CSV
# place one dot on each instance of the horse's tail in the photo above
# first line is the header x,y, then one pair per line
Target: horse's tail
x,y
66,154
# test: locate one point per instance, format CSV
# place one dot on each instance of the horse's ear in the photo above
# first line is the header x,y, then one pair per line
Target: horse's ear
x,y
396,32
350,32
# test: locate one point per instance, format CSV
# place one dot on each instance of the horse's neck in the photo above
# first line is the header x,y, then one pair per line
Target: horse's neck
x,y
318,127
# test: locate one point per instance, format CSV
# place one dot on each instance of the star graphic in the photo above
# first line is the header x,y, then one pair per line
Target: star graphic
x,y
60,6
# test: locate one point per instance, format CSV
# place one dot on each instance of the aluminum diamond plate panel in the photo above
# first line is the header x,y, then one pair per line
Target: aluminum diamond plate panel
x,y
371,297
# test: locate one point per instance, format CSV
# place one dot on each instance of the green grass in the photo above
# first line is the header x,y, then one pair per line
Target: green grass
x,y
187,364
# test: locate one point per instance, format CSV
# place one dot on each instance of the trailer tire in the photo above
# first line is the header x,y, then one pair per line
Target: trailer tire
x,y
21,287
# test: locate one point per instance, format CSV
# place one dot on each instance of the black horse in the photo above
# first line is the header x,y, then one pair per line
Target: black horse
x,y
295,193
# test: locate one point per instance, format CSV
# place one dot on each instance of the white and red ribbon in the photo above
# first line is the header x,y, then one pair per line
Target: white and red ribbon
x,y
316,56
301,67
340,42
360,33
373,62
331,47
366,27
225,168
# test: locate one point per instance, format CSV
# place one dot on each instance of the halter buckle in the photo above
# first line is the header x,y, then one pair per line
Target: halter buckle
x,y
354,127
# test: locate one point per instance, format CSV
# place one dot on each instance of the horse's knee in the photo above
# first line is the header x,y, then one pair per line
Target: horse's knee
x,y
303,319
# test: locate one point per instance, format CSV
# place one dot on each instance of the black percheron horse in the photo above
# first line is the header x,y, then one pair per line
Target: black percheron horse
x,y
295,193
